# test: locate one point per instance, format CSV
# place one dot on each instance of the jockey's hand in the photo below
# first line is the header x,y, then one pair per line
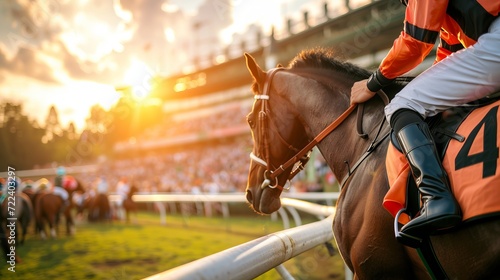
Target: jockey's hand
x,y
360,92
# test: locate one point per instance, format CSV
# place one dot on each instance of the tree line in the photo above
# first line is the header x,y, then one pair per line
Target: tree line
x,y
26,144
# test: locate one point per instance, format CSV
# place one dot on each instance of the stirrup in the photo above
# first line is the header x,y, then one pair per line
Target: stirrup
x,y
404,238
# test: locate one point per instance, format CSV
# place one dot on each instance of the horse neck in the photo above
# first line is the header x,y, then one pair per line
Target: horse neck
x,y
342,147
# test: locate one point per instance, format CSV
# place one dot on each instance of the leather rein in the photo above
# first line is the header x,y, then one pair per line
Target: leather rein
x,y
302,156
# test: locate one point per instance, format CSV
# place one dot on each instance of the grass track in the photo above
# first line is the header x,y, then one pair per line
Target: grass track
x,y
133,251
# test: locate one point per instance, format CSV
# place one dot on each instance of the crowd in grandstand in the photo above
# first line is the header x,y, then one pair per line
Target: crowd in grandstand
x,y
230,116
221,167
225,165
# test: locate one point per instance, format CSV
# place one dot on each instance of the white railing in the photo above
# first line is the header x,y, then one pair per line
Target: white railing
x,y
287,200
251,259
224,197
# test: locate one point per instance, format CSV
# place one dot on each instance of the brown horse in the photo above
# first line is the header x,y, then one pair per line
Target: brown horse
x,y
129,204
18,209
99,209
292,107
49,207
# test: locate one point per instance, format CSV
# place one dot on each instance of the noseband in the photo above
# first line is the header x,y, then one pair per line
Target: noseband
x,y
301,157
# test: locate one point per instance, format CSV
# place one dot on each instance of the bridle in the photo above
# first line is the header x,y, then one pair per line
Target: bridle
x,y
302,156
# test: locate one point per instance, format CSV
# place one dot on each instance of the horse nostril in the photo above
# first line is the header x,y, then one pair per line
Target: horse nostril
x,y
249,196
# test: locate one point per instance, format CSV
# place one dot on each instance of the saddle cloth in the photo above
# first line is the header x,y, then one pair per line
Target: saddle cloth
x,y
472,166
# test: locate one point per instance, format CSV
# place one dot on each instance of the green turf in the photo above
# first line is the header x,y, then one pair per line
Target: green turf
x,y
133,251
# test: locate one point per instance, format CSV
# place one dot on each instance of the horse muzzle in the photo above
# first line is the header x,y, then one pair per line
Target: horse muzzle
x,y
264,201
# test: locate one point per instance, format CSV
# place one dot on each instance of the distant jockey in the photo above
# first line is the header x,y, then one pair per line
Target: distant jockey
x,y
122,189
42,185
70,184
59,187
13,184
27,185
2,184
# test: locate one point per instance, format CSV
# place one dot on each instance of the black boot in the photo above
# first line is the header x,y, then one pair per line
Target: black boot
x,y
439,208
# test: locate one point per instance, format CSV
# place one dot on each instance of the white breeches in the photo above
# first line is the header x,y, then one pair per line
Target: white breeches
x,y
61,192
464,76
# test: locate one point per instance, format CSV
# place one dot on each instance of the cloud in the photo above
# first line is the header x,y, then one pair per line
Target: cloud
x,y
27,63
160,34
55,40
33,21
63,39
109,69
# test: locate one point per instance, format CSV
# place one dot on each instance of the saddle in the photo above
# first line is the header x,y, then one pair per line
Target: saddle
x,y
467,140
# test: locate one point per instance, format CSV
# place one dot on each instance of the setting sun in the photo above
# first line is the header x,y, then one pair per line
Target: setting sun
x,y
139,77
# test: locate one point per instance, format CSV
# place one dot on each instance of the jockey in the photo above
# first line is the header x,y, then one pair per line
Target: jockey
x,y
2,185
58,185
9,185
27,185
42,185
14,183
467,68
122,189
102,186
69,183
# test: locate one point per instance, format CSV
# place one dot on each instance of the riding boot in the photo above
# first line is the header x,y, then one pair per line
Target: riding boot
x,y
439,209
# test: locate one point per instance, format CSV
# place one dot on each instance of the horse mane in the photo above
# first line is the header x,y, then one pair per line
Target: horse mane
x,y
324,58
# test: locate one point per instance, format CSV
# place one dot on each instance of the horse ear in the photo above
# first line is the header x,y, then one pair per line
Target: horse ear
x,y
254,69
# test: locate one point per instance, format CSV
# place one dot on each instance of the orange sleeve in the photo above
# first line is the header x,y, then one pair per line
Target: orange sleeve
x,y
423,21
449,44
405,54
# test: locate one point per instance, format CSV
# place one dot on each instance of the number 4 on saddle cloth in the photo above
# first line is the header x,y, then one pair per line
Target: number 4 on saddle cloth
x,y
468,139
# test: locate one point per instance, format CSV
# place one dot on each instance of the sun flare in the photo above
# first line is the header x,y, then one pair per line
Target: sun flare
x,y
139,77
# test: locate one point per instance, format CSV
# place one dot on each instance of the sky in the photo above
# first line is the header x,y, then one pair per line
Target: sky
x,y
73,53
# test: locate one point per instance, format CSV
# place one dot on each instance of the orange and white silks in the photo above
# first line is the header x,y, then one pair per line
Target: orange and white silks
x,y
473,167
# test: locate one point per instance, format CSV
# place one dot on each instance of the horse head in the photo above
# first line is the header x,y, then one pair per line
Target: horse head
x,y
276,132
295,108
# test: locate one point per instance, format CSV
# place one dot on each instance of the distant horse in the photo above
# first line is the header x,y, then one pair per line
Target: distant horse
x,y
292,108
17,209
49,206
99,208
129,204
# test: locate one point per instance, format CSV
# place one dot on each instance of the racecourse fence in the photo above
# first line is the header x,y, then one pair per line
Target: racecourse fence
x,y
158,199
254,258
